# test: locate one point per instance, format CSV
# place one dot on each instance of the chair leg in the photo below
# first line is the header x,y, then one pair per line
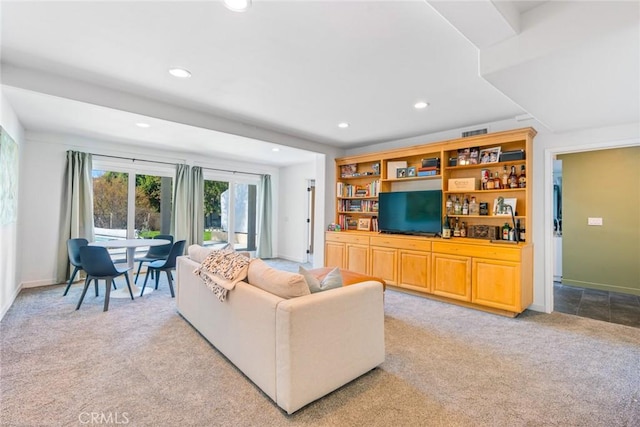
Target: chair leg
x,y
114,284
84,291
138,272
157,278
145,283
126,277
108,293
73,276
96,285
170,283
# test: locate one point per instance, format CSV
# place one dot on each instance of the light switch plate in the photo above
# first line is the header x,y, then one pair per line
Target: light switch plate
x,y
594,221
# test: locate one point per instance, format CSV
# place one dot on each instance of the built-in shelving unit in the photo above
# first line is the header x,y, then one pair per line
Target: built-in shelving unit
x,y
475,272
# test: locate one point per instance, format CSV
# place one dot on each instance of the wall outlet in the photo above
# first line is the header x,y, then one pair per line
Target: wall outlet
x,y
594,221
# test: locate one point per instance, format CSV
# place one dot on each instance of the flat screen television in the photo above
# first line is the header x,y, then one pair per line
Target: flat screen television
x,y
410,212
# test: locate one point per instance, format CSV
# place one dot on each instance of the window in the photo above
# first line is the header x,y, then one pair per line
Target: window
x,y
131,203
230,212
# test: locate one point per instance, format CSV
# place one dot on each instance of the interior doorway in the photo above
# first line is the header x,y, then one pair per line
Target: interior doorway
x,y
311,207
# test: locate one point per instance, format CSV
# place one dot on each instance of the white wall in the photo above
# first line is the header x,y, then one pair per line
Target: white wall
x,y
44,159
293,210
545,144
9,243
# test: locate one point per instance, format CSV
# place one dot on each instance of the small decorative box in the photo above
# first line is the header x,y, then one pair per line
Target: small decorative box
x,y
463,184
484,232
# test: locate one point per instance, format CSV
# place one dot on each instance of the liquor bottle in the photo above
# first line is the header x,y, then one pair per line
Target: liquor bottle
x,y
522,179
463,230
497,183
446,229
513,178
465,207
457,207
449,205
505,177
474,208
522,232
489,185
456,229
505,231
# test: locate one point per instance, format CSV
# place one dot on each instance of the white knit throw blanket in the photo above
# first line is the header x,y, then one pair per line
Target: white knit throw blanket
x,y
221,270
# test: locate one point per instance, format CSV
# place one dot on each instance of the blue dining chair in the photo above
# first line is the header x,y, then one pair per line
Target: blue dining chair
x,y
155,253
165,265
73,249
98,265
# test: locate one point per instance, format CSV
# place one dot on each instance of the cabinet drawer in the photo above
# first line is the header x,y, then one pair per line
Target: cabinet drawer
x,y
346,237
401,243
480,251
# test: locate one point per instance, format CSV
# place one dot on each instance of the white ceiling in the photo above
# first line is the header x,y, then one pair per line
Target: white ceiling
x,y
286,72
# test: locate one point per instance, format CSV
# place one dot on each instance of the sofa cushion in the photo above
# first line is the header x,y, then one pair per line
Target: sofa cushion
x,y
281,283
331,280
200,253
348,277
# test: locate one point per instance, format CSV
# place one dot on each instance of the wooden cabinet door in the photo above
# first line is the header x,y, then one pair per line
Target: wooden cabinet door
x,y
413,270
497,284
334,254
451,276
383,263
357,258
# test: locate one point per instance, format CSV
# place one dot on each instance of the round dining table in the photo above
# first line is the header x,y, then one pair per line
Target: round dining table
x,y
130,245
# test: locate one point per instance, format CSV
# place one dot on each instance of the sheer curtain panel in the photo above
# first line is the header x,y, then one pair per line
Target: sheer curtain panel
x,y
264,249
77,207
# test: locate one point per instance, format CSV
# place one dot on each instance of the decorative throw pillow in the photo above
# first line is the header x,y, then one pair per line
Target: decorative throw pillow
x,y
332,280
281,283
199,253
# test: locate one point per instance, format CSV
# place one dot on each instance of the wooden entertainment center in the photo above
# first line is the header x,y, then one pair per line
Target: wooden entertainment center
x,y
482,273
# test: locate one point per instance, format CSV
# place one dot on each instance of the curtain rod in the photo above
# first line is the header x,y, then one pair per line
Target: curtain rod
x,y
133,159
173,164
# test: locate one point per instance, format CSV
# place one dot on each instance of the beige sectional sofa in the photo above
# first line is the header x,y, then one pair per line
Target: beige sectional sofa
x,y
295,350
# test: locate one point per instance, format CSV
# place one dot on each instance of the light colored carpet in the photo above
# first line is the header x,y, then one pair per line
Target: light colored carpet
x,y
141,364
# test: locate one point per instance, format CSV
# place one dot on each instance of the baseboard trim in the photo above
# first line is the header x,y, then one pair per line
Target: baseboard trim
x,y
38,283
9,303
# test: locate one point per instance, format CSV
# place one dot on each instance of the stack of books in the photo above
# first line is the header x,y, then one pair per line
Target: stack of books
x,y
428,171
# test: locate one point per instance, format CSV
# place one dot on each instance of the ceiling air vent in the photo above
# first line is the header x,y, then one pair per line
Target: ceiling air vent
x,y
474,132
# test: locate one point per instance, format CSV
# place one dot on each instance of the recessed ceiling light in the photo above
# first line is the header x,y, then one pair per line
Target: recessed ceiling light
x,y
143,125
275,149
420,105
180,73
237,5
343,125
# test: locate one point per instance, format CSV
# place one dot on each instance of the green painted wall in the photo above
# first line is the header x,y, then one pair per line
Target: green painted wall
x,y
604,184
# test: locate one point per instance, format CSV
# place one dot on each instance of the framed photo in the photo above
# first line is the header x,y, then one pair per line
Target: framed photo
x,y
411,171
347,171
364,224
401,172
500,206
490,155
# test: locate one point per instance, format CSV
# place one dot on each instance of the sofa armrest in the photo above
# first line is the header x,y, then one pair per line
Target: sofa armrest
x,y
327,339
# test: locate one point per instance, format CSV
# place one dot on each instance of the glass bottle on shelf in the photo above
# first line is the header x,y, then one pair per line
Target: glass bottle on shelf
x,y
489,185
513,178
465,207
457,207
463,230
446,229
474,207
449,206
522,178
505,231
505,177
497,183
456,229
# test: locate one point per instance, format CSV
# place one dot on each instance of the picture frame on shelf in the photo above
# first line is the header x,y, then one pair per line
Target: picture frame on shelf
x,y
348,171
401,172
411,171
500,206
490,155
364,224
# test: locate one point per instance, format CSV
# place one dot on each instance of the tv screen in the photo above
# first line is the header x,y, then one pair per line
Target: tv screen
x,y
410,212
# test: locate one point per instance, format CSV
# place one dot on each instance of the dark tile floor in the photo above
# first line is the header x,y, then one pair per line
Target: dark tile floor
x,y
601,305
